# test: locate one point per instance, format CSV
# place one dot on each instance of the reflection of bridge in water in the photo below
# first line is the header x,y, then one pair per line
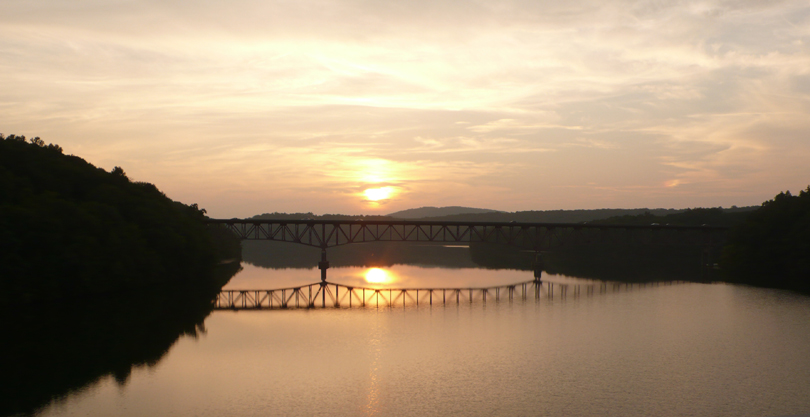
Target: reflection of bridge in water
x,y
331,295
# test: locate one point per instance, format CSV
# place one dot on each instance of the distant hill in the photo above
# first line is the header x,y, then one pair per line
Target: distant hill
x,y
570,216
418,213
468,214
310,216
552,216
717,216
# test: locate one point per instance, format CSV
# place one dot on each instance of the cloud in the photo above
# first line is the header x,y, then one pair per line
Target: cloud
x,y
516,98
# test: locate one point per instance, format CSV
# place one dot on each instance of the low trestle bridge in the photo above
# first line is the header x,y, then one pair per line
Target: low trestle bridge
x,y
331,295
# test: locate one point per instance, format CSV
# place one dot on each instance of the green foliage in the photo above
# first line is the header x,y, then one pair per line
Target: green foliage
x,y
772,247
68,228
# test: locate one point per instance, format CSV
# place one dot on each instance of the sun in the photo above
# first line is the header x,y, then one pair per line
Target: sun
x,y
377,194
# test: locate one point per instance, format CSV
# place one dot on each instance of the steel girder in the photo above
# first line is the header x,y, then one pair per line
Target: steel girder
x,y
538,236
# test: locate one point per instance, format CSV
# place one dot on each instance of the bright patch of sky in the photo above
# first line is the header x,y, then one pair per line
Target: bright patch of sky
x,y
250,106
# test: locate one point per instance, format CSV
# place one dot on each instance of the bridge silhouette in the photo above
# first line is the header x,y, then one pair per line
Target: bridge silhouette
x,y
332,295
538,237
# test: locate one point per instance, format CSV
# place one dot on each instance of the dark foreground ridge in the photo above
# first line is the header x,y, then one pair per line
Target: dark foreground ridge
x,y
69,229
52,350
771,248
99,274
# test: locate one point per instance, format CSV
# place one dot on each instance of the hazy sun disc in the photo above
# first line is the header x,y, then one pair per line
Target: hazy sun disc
x,y
376,194
378,276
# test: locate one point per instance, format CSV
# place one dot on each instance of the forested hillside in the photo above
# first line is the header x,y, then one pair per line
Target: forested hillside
x,y
717,216
68,228
771,248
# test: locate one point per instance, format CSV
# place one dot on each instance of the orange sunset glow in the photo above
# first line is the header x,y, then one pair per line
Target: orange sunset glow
x,y
266,107
377,194
408,208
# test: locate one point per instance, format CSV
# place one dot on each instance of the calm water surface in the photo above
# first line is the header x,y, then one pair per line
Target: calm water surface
x,y
679,350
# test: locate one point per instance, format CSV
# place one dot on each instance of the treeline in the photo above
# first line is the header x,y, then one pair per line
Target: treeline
x,y
767,246
771,248
640,215
547,216
68,228
624,263
684,217
717,216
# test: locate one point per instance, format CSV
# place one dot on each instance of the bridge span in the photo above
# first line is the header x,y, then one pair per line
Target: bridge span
x,y
538,237
332,295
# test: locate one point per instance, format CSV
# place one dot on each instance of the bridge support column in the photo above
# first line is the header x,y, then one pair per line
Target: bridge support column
x,y
706,264
323,265
537,265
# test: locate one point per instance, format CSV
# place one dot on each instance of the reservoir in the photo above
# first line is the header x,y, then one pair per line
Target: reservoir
x,y
666,349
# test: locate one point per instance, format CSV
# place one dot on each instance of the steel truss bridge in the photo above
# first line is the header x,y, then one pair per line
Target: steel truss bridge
x,y
538,236
331,295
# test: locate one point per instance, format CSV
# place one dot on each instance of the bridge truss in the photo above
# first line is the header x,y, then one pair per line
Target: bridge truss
x,y
537,236
331,295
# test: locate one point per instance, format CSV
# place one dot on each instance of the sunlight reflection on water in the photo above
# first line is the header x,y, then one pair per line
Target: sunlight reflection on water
x,y
691,349
379,276
397,276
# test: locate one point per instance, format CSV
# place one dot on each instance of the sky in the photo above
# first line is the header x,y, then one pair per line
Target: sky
x,y
369,107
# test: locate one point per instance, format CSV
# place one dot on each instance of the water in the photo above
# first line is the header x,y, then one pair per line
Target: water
x,y
674,350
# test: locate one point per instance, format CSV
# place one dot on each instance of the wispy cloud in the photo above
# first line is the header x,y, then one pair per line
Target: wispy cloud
x,y
514,99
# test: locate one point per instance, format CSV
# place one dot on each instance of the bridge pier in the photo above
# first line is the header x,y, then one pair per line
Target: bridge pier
x,y
537,265
323,265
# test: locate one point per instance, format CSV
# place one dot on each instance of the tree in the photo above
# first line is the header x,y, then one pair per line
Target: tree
x,y
771,248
